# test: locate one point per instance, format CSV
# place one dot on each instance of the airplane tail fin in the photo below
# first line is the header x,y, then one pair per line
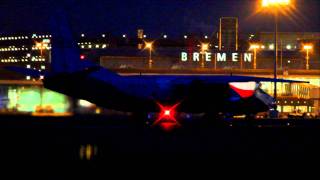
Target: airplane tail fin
x,y
65,51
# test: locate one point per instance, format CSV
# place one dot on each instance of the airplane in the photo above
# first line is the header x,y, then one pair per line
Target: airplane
x,y
166,95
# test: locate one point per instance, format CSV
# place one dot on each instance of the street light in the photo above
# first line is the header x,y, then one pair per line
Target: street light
x,y
41,46
268,3
254,47
275,5
204,49
148,45
307,48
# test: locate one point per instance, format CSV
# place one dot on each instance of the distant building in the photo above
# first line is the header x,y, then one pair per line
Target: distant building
x,y
29,51
287,41
228,34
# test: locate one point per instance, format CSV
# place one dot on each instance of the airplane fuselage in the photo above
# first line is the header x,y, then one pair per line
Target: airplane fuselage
x,y
142,93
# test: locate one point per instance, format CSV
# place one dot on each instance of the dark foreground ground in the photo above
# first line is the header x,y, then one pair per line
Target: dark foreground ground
x,y
120,140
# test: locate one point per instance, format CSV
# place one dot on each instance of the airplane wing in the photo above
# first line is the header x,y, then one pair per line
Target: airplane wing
x,y
228,79
260,79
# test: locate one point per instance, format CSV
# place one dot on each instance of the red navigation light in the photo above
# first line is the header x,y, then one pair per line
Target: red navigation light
x,y
82,57
166,118
167,112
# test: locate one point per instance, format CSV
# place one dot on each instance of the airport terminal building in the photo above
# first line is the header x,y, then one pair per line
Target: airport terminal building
x,y
170,57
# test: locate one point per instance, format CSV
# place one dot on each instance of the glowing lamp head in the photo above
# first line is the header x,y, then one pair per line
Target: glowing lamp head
x,y
254,46
268,3
307,47
39,45
204,47
167,112
148,45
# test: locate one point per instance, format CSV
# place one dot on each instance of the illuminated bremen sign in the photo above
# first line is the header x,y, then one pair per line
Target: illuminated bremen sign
x,y
220,57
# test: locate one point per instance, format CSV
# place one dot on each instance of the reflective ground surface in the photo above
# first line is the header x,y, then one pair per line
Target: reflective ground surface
x,y
120,140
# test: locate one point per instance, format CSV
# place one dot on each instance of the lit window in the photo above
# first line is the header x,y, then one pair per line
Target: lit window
x,y
41,77
104,46
28,77
43,67
82,46
90,46
97,46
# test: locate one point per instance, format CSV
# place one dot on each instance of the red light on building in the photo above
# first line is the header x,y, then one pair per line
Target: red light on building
x,y
82,57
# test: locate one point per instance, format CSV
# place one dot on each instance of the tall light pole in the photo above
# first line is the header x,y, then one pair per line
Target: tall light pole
x,y
254,47
307,48
204,49
275,5
148,45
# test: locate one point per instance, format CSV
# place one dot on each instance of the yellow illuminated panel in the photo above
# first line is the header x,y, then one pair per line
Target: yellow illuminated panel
x,y
31,98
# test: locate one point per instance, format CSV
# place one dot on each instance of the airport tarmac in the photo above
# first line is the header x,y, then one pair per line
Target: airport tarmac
x,y
117,139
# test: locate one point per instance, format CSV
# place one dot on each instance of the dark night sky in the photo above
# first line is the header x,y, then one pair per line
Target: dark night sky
x,y
173,17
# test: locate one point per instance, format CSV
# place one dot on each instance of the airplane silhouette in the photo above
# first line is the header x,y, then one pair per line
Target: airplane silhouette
x,y
142,94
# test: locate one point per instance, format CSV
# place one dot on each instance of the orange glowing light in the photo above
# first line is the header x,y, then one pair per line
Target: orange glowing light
x,y
267,3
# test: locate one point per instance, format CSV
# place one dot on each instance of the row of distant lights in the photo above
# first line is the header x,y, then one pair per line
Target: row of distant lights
x,y
103,46
13,49
13,60
41,36
305,102
271,47
14,38
35,59
47,48
24,37
22,60
145,36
